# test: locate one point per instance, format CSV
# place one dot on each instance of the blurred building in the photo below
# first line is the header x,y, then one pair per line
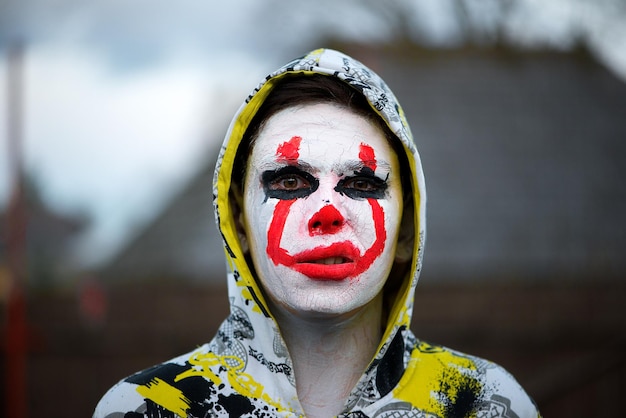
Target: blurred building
x,y
523,154
49,238
181,244
524,160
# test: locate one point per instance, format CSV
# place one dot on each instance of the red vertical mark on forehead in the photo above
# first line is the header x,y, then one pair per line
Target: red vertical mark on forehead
x,y
366,154
288,152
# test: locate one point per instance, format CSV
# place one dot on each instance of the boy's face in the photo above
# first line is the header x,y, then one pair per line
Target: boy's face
x,y
322,209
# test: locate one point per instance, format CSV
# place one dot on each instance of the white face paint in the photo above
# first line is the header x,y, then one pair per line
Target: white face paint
x,y
322,208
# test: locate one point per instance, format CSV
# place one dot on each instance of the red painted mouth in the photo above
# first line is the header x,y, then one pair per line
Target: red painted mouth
x,y
313,263
335,262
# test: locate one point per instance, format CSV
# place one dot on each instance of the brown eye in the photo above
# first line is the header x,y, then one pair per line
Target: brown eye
x,y
290,182
361,184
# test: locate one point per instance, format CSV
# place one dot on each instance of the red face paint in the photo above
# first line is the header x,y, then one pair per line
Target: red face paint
x,y
289,152
275,233
366,155
326,221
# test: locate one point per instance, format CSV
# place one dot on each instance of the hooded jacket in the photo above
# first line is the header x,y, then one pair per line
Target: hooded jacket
x,y
246,371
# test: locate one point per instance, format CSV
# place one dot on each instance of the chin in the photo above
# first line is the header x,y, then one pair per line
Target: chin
x,y
328,302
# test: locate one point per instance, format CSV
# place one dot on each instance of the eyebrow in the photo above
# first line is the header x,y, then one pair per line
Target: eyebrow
x,y
271,164
357,165
350,166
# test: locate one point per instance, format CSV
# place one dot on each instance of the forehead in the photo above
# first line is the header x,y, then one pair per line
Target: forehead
x,y
325,132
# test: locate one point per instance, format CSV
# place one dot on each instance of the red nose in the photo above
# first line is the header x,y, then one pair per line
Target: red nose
x,y
327,220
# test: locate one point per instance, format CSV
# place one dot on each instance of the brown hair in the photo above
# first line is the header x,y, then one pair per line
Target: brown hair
x,y
297,90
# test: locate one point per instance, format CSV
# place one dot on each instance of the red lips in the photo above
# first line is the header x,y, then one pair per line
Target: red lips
x,y
335,262
310,262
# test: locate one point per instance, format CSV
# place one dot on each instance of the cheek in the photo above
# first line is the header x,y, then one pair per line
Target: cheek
x,y
393,214
392,221
259,213
371,215
365,222
295,219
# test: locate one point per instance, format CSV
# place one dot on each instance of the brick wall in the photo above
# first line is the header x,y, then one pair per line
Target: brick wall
x,y
563,341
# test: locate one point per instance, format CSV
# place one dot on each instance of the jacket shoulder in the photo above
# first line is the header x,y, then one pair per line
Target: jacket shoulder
x,y
119,400
459,383
131,394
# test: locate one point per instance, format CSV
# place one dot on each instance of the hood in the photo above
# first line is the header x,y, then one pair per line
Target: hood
x,y
245,294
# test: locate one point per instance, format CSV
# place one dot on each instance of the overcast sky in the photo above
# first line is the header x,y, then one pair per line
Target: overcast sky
x,y
124,100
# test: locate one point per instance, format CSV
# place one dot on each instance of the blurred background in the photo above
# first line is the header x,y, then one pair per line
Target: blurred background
x,y
111,114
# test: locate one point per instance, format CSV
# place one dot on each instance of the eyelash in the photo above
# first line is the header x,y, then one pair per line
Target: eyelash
x,y
362,185
280,183
273,188
371,187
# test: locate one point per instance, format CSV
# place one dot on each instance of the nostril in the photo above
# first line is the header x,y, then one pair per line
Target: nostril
x,y
327,220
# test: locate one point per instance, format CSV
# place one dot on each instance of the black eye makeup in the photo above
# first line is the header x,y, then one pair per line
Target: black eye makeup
x,y
292,182
288,183
364,184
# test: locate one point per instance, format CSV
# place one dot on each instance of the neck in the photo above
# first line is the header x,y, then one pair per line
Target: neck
x,y
330,354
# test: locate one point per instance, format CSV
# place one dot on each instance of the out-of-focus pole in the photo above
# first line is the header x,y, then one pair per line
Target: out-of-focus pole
x,y
16,328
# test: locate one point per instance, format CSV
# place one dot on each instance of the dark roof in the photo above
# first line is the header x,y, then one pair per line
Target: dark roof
x,y
524,160
181,242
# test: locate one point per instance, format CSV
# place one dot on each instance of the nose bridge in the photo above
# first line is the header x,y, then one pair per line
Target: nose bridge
x,y
326,191
327,220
